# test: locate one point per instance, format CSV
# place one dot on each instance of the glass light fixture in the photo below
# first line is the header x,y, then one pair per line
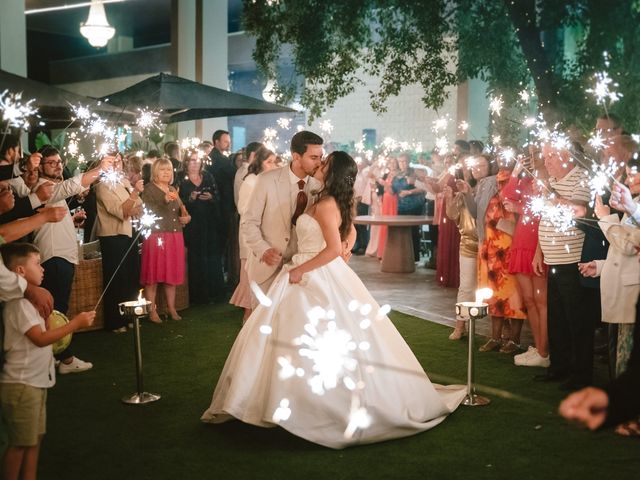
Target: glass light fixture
x,y
97,29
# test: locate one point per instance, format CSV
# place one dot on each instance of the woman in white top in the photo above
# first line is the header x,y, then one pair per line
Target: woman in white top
x,y
263,161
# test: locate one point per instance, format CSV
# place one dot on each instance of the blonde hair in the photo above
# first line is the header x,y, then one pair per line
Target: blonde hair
x,y
156,166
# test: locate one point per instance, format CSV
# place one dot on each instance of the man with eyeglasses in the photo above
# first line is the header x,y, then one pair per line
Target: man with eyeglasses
x,y
57,241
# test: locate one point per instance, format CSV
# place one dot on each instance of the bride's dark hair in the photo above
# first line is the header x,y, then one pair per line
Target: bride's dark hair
x,y
338,183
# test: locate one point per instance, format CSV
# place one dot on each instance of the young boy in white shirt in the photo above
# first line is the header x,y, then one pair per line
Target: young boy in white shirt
x,y
28,369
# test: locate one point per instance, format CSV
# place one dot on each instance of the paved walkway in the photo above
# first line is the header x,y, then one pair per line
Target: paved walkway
x,y
416,294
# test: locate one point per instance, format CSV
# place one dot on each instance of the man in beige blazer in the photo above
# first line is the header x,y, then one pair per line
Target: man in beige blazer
x,y
267,226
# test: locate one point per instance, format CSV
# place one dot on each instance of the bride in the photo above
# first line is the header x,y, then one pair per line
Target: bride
x,y
319,357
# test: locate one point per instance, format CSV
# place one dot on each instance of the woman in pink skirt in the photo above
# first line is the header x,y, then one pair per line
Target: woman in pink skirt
x,y
163,251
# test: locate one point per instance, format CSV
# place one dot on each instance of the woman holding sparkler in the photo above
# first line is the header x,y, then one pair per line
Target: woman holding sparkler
x,y
323,360
163,251
116,205
532,284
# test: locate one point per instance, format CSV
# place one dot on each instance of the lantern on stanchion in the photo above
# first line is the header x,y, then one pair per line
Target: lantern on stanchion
x,y
134,310
474,311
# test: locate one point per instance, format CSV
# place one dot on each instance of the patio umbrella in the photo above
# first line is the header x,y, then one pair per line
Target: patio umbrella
x,y
54,103
183,99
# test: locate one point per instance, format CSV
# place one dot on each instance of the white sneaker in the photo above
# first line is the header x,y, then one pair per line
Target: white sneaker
x,y
518,359
536,360
76,366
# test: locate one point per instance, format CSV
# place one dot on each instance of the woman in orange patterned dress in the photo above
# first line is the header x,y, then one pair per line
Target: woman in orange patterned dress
x,y
495,230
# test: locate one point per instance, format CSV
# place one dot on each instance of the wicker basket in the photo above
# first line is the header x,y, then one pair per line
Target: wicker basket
x,y
86,289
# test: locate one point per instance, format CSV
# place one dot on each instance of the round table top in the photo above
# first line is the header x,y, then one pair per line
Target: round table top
x,y
393,220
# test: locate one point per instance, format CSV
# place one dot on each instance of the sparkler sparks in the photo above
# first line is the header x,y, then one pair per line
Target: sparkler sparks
x,y
326,126
148,119
496,104
604,89
112,177
14,111
146,223
284,123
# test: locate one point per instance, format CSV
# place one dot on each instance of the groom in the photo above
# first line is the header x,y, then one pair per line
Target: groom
x,y
278,199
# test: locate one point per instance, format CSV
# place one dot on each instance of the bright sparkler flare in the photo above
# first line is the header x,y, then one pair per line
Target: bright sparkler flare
x,y
284,123
463,126
597,141
270,134
148,119
190,143
14,111
507,155
146,223
525,96
112,177
326,126
329,348
359,418
440,124
601,178
442,145
496,105
603,90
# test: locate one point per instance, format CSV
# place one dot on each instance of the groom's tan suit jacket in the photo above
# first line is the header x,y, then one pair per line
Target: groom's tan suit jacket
x,y
267,222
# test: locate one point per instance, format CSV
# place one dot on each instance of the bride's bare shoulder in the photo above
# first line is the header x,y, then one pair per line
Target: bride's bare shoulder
x,y
326,204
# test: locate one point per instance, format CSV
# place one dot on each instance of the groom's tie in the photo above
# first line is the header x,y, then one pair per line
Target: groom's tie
x,y
301,202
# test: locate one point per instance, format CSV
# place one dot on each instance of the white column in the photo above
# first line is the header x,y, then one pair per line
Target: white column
x,y
186,53
13,38
214,56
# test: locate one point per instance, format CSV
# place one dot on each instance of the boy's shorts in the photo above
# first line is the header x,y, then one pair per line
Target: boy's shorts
x,y
24,412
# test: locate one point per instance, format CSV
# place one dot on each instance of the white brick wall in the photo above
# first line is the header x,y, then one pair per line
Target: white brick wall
x,y
406,119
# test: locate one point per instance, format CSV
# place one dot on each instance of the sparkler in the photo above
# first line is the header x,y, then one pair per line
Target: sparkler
x,y
148,119
146,223
15,112
496,105
112,177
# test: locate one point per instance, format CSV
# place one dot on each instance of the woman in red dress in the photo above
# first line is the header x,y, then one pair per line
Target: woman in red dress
x,y
533,287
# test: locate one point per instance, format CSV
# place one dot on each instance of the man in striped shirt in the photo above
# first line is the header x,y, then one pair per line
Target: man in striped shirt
x,y
570,334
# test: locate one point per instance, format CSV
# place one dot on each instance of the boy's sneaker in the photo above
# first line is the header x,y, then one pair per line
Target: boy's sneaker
x,y
518,359
76,366
536,360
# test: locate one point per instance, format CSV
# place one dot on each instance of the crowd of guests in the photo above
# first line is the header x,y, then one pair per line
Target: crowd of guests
x,y
567,280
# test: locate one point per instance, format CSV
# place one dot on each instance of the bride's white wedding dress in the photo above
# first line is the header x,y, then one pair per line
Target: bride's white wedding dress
x,y
325,363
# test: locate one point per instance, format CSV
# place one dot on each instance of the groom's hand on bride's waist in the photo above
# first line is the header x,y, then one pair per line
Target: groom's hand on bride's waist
x,y
271,257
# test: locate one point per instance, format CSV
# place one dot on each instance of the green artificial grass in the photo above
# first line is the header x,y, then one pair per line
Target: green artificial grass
x,y
92,435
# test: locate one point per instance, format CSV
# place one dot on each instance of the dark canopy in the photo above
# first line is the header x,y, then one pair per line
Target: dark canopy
x,y
183,99
54,103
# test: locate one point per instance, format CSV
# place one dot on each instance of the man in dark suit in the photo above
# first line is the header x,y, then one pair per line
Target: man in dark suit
x,y
224,171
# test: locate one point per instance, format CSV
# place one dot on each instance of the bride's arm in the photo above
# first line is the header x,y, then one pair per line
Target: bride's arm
x,y
327,215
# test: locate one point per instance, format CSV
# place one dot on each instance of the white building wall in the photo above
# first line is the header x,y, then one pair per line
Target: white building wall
x,y
406,118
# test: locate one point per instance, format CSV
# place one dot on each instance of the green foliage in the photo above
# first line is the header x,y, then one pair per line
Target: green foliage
x,y
58,141
439,43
